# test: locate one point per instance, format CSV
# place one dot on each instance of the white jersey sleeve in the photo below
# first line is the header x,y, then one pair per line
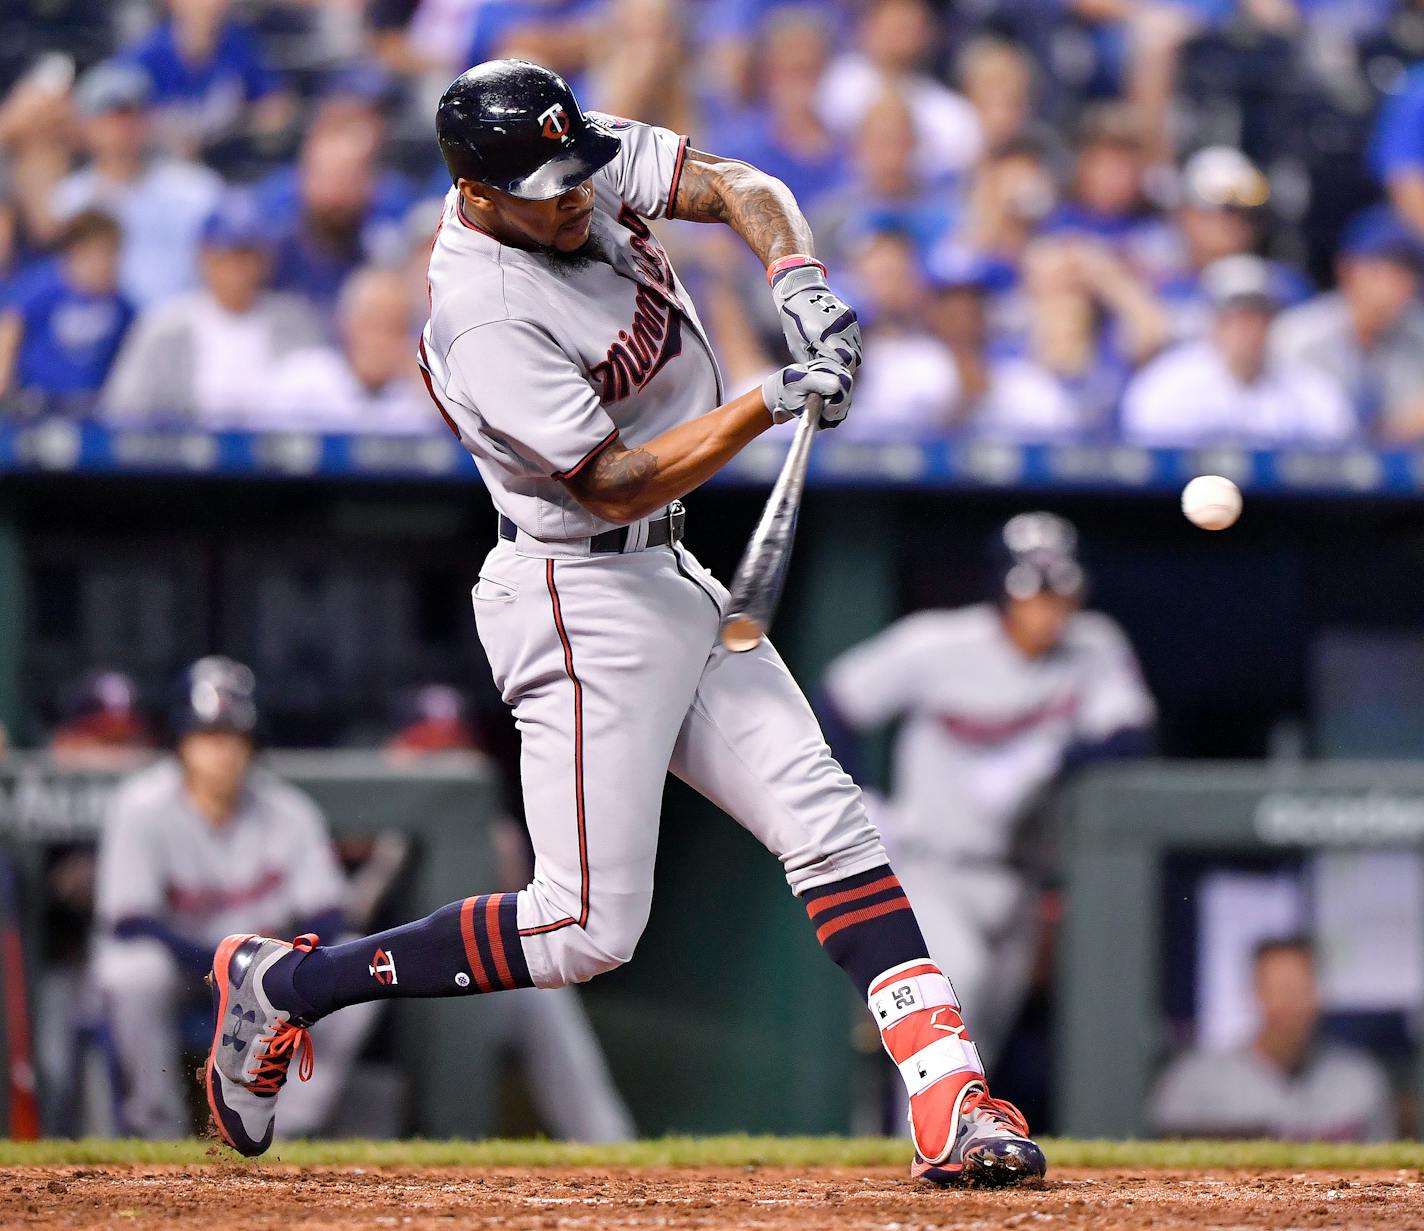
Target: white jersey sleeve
x,y
548,413
317,883
647,169
880,679
129,881
1114,696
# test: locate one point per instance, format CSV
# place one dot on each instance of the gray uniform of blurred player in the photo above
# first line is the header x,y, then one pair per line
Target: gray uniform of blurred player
x,y
984,729
169,879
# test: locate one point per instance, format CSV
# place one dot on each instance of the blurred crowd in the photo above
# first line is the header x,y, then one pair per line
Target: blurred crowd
x,y
1165,221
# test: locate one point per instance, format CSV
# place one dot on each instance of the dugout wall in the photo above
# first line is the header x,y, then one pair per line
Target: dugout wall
x,y
1121,826
728,1019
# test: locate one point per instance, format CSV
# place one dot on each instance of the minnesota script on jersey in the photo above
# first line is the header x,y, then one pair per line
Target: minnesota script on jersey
x,y
270,864
538,360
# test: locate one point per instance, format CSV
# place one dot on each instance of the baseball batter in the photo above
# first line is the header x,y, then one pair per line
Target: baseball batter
x,y
565,353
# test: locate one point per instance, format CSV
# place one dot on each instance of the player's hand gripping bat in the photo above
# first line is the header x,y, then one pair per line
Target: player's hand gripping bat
x,y
756,587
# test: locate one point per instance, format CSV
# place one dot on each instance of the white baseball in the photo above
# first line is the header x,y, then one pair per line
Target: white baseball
x,y
1211,502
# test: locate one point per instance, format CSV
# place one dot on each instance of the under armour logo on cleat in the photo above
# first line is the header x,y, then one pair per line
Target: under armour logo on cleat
x,y
235,1039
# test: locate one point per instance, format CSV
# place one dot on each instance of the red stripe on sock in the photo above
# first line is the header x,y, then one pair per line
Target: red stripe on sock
x,y
472,948
827,930
820,905
496,940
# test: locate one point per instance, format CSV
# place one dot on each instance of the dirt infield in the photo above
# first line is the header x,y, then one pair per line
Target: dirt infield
x,y
291,1199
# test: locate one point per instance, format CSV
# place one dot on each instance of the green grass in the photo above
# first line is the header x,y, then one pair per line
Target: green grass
x,y
714,1152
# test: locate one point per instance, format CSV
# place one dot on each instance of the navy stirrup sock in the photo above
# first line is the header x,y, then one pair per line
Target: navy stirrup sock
x,y
462,949
865,924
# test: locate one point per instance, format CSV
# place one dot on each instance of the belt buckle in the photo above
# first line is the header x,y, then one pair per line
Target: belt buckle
x,y
677,521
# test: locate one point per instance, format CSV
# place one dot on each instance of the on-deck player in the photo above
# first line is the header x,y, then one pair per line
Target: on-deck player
x,y
565,353
992,701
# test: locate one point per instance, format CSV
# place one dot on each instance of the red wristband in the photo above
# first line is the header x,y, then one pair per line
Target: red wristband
x,y
794,261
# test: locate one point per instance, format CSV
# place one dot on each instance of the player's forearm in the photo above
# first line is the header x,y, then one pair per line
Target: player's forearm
x,y
622,484
187,952
757,206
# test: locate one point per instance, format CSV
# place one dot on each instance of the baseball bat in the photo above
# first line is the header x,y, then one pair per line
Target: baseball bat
x,y
756,586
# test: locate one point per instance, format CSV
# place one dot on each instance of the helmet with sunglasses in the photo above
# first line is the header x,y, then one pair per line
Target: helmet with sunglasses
x,y
1037,553
516,126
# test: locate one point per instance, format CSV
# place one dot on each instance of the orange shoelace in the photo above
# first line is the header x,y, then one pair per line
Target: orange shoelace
x,y
1000,1109
284,1043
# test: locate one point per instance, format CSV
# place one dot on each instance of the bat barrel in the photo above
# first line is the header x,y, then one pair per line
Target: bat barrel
x,y
756,587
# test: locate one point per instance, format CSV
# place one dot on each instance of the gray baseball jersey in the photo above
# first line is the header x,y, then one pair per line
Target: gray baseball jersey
x,y
1339,1095
536,362
270,866
985,728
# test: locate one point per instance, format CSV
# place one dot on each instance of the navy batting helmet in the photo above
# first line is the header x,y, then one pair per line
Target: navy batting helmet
x,y
1036,552
216,694
517,127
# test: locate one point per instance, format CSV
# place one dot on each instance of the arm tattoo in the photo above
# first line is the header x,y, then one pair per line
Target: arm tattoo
x,y
616,474
757,206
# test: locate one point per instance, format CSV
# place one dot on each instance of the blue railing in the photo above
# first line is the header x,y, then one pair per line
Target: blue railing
x,y
61,447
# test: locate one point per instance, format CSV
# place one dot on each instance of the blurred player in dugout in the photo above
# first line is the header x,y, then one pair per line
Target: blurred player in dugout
x,y
1289,1080
993,701
198,845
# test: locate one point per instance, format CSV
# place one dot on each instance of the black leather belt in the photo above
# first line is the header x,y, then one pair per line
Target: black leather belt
x,y
662,531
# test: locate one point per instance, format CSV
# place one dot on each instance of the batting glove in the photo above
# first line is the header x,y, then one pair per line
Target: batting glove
x,y
785,392
817,324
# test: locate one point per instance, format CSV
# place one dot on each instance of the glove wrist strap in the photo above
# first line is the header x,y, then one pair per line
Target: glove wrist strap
x,y
797,260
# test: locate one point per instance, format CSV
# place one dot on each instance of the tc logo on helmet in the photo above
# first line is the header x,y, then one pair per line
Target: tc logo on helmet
x,y
555,120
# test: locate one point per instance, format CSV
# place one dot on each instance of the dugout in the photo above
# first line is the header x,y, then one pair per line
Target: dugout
x,y
340,569
689,1042
444,812
1123,826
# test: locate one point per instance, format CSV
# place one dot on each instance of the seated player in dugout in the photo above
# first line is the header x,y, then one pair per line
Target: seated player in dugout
x,y
566,354
994,701
193,846
1288,1081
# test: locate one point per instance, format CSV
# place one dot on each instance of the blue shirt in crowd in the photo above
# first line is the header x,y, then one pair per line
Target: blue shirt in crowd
x,y
752,139
1354,15
214,91
1399,133
306,265
494,19
70,336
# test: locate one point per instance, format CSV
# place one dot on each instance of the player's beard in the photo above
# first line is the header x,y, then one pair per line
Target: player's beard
x,y
587,253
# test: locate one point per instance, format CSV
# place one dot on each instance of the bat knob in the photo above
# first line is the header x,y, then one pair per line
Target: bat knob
x,y
741,632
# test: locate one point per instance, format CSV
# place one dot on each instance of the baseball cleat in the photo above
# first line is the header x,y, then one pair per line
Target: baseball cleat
x,y
254,1042
992,1148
